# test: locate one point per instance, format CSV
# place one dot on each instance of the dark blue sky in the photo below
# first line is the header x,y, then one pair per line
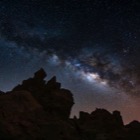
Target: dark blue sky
x,y
92,46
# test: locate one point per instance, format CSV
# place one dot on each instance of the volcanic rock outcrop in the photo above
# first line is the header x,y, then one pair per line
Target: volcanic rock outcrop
x,y
55,100
40,110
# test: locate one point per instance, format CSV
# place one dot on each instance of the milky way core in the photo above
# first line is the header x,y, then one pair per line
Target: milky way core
x,y
91,46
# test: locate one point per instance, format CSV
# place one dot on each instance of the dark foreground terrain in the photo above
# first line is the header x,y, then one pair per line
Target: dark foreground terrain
x,y
40,110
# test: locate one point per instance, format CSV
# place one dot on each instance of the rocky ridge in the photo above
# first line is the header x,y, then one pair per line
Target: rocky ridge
x,y
40,110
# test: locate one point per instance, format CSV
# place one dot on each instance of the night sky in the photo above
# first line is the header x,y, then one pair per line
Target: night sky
x,y
92,46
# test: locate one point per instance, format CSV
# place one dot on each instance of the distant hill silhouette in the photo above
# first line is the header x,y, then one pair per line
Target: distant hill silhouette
x,y
40,110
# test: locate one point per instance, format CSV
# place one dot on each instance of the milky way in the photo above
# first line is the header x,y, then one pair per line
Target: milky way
x,y
91,46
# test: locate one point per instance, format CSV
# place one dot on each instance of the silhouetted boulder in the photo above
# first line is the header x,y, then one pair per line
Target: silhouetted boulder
x,y
133,125
33,84
100,124
132,131
118,119
41,74
53,84
101,120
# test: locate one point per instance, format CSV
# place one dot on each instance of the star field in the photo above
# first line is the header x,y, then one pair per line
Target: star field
x,y
92,46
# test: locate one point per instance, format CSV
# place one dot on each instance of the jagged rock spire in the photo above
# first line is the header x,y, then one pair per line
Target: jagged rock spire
x,y
40,74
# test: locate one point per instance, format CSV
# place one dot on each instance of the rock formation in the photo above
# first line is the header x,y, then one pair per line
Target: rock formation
x,y
56,101
40,110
